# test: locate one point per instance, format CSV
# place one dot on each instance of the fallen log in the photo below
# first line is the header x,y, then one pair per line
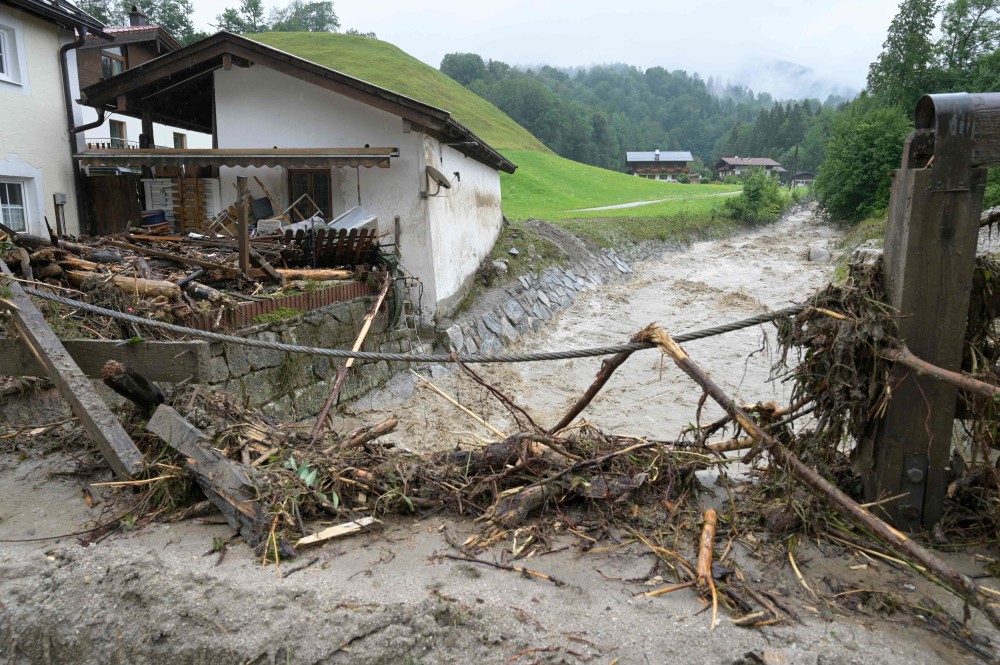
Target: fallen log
x,y
204,292
227,484
960,584
134,285
25,240
365,434
315,274
132,386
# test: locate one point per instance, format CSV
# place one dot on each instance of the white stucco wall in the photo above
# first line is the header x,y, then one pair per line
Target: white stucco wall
x,y
34,142
465,220
294,114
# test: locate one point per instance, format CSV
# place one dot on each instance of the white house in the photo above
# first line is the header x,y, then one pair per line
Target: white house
x,y
300,128
737,166
38,83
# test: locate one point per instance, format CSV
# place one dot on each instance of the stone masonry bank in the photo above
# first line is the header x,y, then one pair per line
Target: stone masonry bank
x,y
527,303
294,386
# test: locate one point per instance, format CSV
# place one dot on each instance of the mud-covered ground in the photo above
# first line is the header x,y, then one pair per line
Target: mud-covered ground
x,y
161,595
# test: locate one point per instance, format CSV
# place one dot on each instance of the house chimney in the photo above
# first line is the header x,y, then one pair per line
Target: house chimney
x,y
136,17
656,155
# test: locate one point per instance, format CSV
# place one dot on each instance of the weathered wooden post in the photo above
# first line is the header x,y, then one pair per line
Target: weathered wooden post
x,y
930,252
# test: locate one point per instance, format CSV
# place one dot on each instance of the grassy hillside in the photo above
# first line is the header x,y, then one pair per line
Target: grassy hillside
x,y
545,185
385,65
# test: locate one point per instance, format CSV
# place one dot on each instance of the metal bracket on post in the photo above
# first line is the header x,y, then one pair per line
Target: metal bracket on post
x,y
929,258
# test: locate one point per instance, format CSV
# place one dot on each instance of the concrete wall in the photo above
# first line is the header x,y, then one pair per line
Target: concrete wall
x,y
34,141
465,220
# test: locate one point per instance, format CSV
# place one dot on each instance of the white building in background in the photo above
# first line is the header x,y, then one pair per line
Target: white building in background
x,y
37,179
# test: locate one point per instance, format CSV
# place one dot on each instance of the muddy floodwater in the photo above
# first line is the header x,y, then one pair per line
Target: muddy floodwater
x,y
709,284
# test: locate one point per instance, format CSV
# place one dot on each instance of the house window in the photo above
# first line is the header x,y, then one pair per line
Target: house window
x,y
119,138
12,210
180,140
10,69
317,185
4,67
112,62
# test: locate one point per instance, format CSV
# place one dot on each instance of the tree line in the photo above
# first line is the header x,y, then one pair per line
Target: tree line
x,y
595,114
250,16
931,47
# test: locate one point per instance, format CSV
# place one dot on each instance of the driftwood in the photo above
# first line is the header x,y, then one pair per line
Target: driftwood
x,y
266,266
704,579
132,386
317,274
133,285
363,435
102,426
905,357
203,292
226,483
324,416
169,256
608,368
26,265
25,240
946,574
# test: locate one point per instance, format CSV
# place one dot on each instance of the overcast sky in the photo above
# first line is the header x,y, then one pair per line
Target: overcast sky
x,y
732,39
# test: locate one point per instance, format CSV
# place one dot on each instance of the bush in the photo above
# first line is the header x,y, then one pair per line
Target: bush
x,y
865,145
760,202
992,197
683,178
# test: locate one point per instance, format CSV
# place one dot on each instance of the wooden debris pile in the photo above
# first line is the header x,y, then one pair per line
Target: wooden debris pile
x,y
182,279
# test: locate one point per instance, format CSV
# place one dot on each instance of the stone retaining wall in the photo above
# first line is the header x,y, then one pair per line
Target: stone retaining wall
x,y
528,303
294,386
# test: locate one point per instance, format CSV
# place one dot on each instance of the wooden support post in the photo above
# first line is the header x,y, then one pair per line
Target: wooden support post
x,y
102,426
930,253
243,222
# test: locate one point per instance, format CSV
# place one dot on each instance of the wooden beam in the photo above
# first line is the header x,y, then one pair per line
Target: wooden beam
x,y
102,426
169,362
226,483
930,253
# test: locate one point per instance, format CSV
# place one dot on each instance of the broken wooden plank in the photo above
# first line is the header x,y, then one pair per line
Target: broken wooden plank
x,y
345,529
266,267
169,256
169,362
102,426
226,483
243,224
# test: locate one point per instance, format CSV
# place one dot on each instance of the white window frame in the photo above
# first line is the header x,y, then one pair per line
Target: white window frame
x,y
25,205
4,59
11,34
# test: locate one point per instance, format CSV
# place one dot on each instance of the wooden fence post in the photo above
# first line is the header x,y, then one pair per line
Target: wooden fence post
x,y
930,254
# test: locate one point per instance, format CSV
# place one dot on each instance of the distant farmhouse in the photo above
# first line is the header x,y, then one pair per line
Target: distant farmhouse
x,y
803,179
737,166
658,165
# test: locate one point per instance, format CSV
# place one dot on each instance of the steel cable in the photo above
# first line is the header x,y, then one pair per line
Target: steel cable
x,y
411,357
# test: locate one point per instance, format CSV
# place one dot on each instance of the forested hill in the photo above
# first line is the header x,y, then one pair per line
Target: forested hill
x,y
595,114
